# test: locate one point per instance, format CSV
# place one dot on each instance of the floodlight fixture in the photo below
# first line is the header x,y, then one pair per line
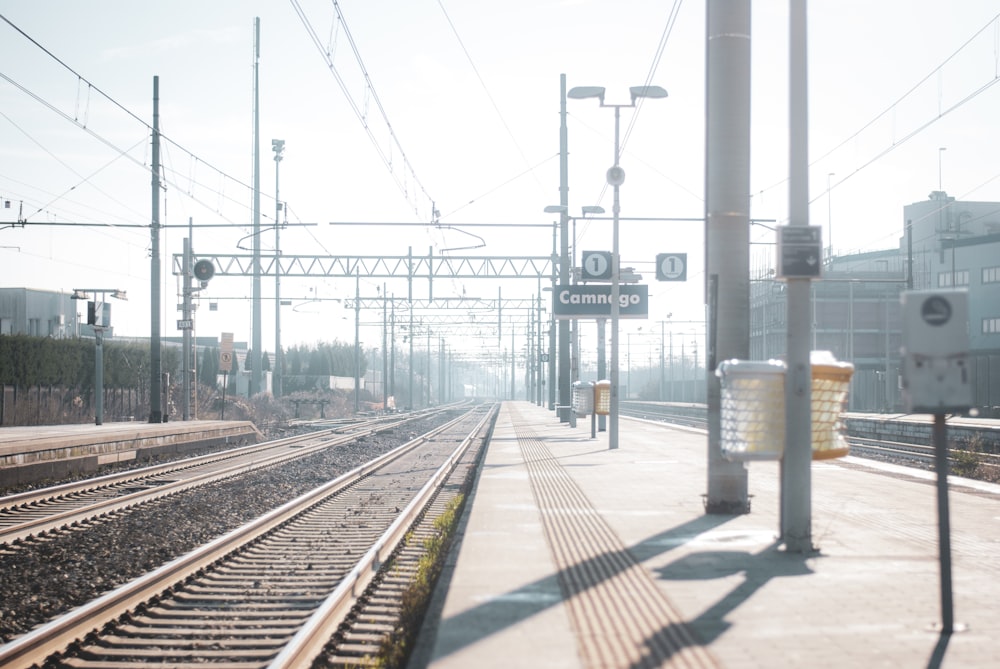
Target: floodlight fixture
x,y
647,92
581,92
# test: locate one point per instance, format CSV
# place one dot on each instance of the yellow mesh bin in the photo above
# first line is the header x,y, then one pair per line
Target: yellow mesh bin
x,y
753,408
602,398
831,382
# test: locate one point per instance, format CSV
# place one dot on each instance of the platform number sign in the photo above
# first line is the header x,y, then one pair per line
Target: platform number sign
x,y
671,267
595,266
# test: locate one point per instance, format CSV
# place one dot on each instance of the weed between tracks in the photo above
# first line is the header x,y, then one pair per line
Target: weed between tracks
x,y
396,647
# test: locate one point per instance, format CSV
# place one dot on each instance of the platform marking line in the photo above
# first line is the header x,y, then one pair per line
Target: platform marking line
x,y
621,617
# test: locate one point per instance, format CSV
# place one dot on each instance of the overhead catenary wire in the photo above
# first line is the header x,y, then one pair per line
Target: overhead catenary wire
x,y
361,114
82,124
895,144
654,64
486,90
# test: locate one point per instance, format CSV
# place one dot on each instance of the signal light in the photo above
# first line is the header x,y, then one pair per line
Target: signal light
x,y
204,270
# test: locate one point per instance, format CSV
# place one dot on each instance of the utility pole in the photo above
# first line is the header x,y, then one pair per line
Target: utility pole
x,y
155,399
186,317
564,353
385,353
357,339
278,145
727,230
796,463
255,353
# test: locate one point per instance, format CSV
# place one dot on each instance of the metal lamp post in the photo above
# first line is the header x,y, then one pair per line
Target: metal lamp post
x,y
615,177
99,324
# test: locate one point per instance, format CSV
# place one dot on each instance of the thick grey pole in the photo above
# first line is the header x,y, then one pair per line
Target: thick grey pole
x,y
616,266
186,315
392,352
357,339
99,369
413,405
155,364
796,472
944,523
552,330
255,353
540,375
602,366
276,374
564,353
385,352
727,229
513,368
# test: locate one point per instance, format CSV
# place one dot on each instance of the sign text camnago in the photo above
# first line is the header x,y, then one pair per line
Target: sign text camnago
x,y
594,301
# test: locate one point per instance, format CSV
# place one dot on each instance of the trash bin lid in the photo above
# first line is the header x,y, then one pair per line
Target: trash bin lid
x,y
750,367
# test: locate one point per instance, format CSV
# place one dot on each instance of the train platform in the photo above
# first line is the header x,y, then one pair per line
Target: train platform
x,y
37,452
573,555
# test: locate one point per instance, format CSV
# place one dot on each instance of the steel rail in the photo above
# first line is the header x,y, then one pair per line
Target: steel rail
x,y
55,636
86,511
307,644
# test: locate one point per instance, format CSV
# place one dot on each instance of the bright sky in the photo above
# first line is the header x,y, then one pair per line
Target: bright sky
x,y
471,92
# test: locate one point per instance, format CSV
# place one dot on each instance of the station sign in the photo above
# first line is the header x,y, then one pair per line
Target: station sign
x,y
800,251
671,267
594,301
595,266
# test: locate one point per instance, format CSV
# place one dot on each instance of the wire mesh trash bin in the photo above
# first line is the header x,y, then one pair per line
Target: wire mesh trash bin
x,y
583,398
831,382
753,407
602,397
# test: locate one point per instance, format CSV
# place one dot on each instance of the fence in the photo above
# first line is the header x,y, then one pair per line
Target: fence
x,y
54,405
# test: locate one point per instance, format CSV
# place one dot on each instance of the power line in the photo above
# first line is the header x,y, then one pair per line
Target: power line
x,y
486,89
74,119
362,115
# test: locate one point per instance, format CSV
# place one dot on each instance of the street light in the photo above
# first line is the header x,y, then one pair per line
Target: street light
x,y
99,324
615,178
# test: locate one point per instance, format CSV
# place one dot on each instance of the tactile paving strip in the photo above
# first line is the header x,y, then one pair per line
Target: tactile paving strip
x,y
621,617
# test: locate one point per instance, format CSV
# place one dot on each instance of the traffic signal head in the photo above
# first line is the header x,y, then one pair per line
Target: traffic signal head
x,y
204,270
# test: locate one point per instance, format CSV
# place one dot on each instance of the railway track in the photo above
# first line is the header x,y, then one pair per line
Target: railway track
x,y
906,453
272,592
59,507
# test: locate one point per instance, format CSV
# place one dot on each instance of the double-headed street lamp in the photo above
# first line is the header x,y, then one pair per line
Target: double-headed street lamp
x,y
615,177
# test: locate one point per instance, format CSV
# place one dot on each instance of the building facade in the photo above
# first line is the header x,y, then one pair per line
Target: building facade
x,y
856,305
38,313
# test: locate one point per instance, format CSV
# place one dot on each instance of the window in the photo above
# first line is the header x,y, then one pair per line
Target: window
x,y
991,274
961,278
991,325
